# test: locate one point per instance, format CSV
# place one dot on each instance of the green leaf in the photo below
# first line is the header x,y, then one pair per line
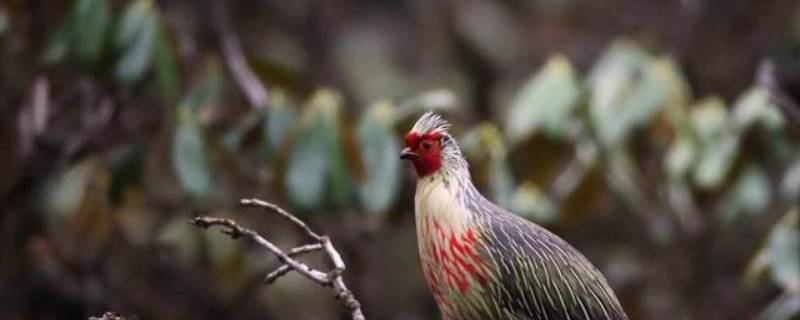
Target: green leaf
x,y
629,88
317,158
750,194
612,80
343,188
718,141
783,252
378,147
680,157
132,23
3,23
207,91
790,186
545,102
91,20
784,307
648,95
278,121
754,107
64,193
166,69
308,165
715,162
189,157
529,201
58,44
501,183
135,41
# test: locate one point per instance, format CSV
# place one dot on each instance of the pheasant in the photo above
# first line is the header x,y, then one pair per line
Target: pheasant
x,y
483,262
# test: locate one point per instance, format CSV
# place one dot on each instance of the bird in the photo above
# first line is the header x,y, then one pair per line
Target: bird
x,y
481,261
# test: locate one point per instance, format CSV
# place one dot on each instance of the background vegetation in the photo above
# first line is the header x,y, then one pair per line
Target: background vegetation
x,y
658,137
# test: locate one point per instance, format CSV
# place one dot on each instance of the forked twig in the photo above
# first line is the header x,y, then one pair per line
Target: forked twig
x,y
332,278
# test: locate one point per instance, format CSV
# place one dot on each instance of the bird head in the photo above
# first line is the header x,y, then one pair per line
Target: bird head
x,y
430,148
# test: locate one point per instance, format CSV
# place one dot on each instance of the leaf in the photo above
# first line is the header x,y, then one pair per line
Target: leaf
x,y
783,252
501,183
790,186
278,120
3,22
649,94
164,65
206,92
754,107
329,103
718,141
680,157
91,20
784,307
307,171
189,157
546,102
750,193
629,89
378,147
58,45
317,157
529,201
65,192
715,162
611,81
135,41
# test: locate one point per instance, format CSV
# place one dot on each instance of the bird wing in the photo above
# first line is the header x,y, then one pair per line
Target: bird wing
x,y
540,276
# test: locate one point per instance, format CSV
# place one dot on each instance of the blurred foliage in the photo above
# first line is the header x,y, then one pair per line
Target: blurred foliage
x,y
144,126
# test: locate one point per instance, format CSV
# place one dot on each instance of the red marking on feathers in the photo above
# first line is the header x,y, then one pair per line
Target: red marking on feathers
x,y
455,262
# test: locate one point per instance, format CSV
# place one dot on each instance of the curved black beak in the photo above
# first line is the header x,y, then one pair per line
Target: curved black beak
x,y
407,154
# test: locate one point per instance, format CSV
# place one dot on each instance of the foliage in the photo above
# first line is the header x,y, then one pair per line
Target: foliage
x,y
625,141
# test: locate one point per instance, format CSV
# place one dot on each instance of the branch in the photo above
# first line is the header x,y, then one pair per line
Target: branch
x,y
245,78
108,316
332,278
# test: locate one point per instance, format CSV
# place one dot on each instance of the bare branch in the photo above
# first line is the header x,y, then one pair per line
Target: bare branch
x,y
108,316
332,279
283,213
284,268
277,273
245,78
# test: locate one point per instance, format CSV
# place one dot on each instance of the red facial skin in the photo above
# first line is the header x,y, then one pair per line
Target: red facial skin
x,y
427,148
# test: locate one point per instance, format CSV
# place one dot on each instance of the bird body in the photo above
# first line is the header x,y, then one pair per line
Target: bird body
x,y
483,262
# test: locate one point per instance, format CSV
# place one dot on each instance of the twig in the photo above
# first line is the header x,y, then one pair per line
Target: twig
x,y
284,268
332,278
245,78
108,316
282,213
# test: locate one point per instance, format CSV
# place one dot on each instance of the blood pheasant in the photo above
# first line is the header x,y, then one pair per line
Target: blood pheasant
x,y
483,262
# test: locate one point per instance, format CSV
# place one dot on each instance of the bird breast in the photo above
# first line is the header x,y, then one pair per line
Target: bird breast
x,y
448,246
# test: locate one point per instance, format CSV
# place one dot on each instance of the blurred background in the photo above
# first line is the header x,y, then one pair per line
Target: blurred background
x,y
660,138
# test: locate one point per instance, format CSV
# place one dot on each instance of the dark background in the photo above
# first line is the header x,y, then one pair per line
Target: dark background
x,y
121,120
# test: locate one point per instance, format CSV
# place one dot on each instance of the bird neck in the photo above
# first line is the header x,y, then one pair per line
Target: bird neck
x,y
445,195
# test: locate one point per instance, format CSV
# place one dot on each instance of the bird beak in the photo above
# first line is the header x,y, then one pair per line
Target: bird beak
x,y
407,154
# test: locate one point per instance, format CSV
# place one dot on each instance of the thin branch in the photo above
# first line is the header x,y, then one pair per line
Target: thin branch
x,y
108,316
332,278
284,268
282,213
245,78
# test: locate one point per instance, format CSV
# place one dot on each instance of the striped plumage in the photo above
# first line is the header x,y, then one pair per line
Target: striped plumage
x,y
483,262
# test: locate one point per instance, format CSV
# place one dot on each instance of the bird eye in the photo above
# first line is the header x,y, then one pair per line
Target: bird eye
x,y
426,145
